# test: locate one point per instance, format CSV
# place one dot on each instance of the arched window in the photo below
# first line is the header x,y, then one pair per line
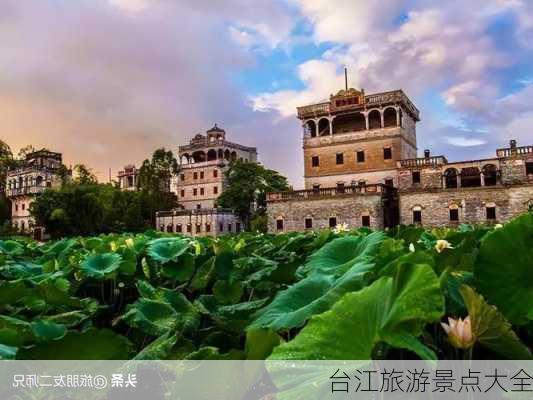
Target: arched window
x,y
374,119
470,177
233,155
220,154
279,223
389,117
39,181
184,159
450,178
323,127
169,228
310,128
490,175
349,123
199,156
454,212
211,155
417,215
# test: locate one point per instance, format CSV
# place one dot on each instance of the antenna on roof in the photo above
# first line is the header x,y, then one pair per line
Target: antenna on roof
x,y
346,78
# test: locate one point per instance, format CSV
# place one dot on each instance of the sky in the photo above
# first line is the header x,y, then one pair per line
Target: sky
x,y
106,82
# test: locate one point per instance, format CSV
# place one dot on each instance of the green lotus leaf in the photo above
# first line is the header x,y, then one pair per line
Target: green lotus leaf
x,y
159,349
11,247
491,329
167,249
93,344
260,343
55,249
503,271
8,352
152,317
393,310
47,330
22,269
227,292
100,266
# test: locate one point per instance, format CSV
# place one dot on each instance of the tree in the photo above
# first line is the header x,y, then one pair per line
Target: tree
x,y
84,175
247,184
154,182
24,151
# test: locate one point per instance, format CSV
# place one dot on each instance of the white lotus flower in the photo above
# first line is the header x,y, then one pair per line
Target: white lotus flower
x,y
341,228
412,248
459,332
441,244
498,226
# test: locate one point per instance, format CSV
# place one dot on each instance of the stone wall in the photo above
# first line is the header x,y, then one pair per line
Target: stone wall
x,y
201,224
509,201
347,209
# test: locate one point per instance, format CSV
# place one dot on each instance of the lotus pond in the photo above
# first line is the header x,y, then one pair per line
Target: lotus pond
x,y
345,294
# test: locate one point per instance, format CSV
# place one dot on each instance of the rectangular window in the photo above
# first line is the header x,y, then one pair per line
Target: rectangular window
x,y
195,175
491,213
416,177
529,168
179,228
182,193
215,190
215,173
208,227
221,227
417,217
387,153
237,227
198,206
182,177
360,156
202,191
308,223
23,206
332,222
198,228
365,220
195,192
189,228
340,158
201,174
315,161
16,207
389,182
454,214
229,227
340,187
279,224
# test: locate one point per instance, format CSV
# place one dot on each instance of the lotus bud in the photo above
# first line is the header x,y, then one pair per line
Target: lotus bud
x,y
498,226
412,248
440,245
459,332
341,228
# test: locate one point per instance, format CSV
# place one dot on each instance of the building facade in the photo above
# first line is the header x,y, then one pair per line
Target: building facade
x,y
128,178
361,168
199,183
39,171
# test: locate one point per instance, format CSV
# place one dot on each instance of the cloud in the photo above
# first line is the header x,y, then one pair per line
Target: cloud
x,y
133,6
462,141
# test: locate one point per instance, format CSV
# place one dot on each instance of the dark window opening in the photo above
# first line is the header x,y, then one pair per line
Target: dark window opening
x,y
195,175
417,216
360,156
179,228
387,153
308,223
491,213
365,220
189,228
529,168
215,190
340,158
332,222
237,227
195,192
221,227
315,162
208,227
470,177
454,214
340,187
229,227
215,173
182,193
450,177
198,206
416,177
182,177
279,224
202,175
198,228
202,191
169,228
389,182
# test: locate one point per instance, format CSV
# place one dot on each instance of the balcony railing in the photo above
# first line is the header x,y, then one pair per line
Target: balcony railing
x,y
513,151
202,211
423,162
329,192
313,109
395,96
213,143
218,162
26,190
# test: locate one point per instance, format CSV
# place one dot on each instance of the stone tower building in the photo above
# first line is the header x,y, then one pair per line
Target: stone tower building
x,y
200,182
361,168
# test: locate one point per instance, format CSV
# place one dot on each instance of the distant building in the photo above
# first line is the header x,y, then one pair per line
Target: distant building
x,y
361,168
199,183
128,178
39,171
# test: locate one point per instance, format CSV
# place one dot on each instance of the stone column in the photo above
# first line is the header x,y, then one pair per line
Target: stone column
x,y
458,180
316,128
382,118
366,120
482,178
397,116
330,125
